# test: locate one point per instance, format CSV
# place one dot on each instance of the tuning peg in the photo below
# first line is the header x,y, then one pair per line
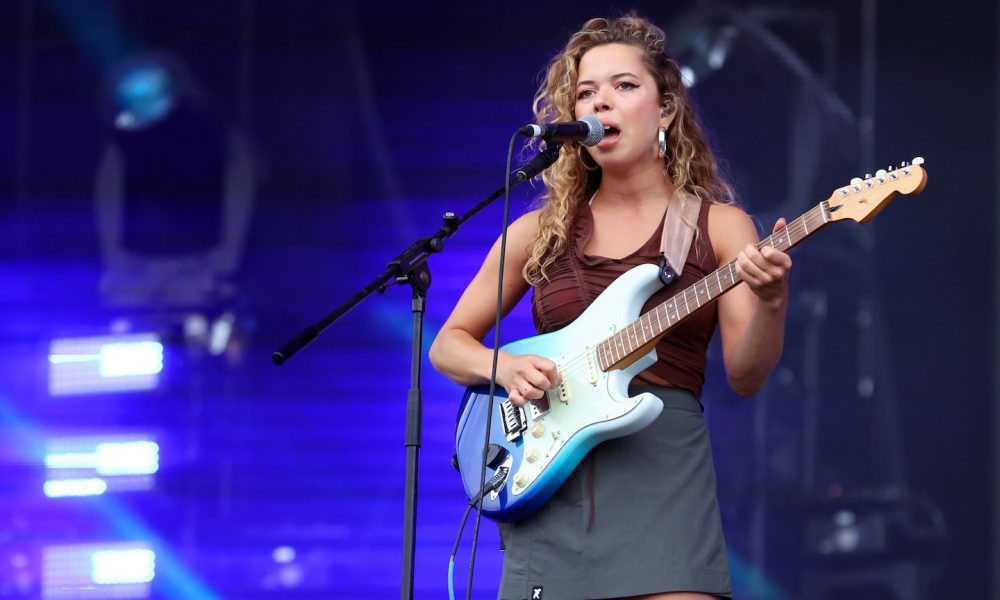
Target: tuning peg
x,y
918,160
880,174
891,168
904,164
856,180
868,175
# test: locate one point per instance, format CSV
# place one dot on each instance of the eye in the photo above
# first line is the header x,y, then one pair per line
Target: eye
x,y
628,85
584,94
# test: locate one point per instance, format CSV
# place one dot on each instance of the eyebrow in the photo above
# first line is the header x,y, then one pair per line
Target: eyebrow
x,y
615,76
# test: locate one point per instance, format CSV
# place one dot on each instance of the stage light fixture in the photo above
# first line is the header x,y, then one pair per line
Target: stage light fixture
x,y
123,359
114,363
701,45
141,90
62,488
101,570
173,188
93,465
133,565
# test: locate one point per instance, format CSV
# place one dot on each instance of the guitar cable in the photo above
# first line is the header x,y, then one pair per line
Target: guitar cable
x,y
492,485
478,501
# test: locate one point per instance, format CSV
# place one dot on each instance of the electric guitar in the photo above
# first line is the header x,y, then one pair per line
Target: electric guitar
x,y
534,448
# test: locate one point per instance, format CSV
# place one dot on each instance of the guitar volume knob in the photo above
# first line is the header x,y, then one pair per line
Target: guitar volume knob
x,y
538,430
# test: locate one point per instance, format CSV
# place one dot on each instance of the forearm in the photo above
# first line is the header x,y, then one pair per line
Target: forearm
x,y
756,352
461,357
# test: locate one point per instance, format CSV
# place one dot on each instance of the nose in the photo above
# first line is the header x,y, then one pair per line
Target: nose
x,y
599,101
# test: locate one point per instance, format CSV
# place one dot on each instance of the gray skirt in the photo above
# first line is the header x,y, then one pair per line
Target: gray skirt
x,y
638,516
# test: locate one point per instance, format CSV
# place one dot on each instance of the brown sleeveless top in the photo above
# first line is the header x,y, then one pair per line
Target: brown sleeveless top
x,y
576,279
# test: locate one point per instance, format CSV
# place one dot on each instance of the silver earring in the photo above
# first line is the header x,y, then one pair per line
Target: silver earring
x,y
661,146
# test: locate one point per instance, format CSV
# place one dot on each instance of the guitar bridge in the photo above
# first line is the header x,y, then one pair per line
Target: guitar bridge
x,y
513,419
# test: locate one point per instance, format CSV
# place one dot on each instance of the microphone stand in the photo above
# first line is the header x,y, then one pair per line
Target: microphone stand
x,y
410,267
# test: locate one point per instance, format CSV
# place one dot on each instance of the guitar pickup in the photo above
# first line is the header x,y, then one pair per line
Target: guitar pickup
x,y
513,419
592,375
540,406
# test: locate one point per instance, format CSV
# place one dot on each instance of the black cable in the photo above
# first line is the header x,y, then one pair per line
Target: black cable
x,y
496,355
454,550
492,486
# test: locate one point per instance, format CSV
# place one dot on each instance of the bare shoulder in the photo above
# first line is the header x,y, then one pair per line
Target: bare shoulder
x,y
730,229
523,231
728,216
528,222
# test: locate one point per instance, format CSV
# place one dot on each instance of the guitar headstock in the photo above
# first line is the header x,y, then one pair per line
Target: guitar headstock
x,y
862,199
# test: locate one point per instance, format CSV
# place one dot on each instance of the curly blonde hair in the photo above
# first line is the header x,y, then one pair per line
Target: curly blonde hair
x,y
575,175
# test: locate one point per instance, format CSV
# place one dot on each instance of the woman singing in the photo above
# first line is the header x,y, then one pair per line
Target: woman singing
x,y
638,518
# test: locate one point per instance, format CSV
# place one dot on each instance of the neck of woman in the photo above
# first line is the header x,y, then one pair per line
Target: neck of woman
x,y
636,188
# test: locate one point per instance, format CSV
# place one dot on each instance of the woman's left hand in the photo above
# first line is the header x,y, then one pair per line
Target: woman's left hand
x,y
765,271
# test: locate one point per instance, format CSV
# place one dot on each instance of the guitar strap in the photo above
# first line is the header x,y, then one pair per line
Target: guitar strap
x,y
678,233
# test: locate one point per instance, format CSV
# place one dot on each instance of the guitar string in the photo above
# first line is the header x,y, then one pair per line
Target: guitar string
x,y
798,228
818,216
577,363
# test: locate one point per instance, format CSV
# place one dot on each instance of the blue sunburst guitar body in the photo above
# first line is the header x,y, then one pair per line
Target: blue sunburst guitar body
x,y
533,449
542,447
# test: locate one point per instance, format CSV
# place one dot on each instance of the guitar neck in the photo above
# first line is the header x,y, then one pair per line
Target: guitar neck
x,y
635,340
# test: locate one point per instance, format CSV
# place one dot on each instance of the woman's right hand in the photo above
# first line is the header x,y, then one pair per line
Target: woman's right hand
x,y
526,376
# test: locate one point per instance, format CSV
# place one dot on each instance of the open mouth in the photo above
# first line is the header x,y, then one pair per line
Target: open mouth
x,y
611,131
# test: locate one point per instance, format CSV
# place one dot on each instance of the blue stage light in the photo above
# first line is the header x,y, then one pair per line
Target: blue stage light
x,y
136,565
283,554
101,570
105,364
128,458
144,90
111,458
93,465
61,488
123,359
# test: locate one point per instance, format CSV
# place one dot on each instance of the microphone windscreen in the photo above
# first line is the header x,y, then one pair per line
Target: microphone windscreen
x,y
596,133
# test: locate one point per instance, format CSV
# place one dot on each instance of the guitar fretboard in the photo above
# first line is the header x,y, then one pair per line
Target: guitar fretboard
x,y
637,338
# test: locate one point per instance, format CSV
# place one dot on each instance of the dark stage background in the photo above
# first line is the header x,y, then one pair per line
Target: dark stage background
x,y
206,179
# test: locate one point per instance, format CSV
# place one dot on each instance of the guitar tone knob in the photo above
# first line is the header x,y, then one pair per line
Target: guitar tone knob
x,y
520,480
538,430
532,455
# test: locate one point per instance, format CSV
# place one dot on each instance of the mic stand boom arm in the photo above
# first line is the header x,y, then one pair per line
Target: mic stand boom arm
x,y
411,267
411,262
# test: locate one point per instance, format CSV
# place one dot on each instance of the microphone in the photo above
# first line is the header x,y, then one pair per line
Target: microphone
x,y
588,131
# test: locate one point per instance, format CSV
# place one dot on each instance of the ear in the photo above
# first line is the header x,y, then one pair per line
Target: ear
x,y
669,112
